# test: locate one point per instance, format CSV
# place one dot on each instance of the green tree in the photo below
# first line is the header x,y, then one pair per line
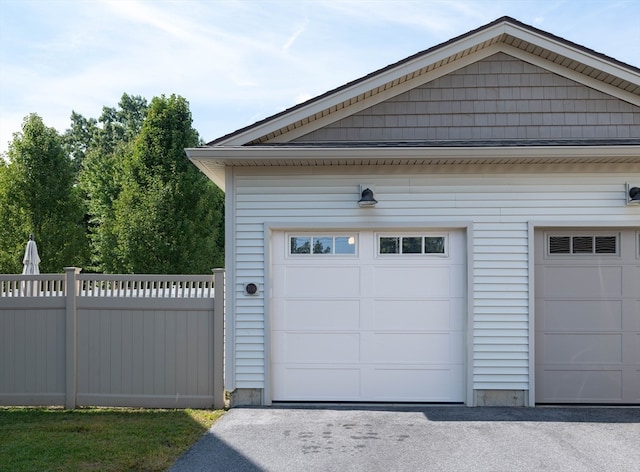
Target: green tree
x,y
168,215
102,146
38,195
116,125
80,138
101,182
11,226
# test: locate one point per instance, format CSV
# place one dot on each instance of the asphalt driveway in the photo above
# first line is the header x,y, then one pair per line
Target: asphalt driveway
x,y
399,439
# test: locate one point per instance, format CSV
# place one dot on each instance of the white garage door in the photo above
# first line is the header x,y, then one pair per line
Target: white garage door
x,y
588,316
366,316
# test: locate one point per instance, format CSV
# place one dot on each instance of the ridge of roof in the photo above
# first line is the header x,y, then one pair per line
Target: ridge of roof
x,y
561,40
503,19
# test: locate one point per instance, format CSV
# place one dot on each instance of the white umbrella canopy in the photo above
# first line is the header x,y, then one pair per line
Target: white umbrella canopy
x,y
31,259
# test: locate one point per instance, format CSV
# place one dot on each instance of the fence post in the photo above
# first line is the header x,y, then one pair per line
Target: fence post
x,y
218,338
71,337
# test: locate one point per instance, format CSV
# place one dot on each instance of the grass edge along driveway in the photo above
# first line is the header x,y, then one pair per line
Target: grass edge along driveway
x,y
104,439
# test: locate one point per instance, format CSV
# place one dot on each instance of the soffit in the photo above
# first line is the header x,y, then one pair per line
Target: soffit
x,y
278,156
214,160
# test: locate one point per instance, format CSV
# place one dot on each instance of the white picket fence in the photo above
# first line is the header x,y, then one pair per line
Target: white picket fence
x,y
50,285
101,285
77,339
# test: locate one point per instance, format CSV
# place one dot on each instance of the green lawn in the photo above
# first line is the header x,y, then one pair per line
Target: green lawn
x,y
98,439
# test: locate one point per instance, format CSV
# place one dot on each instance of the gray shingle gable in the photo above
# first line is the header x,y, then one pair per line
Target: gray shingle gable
x,y
272,126
497,98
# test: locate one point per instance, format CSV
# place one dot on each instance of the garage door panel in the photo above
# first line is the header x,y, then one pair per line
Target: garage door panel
x,y
457,318
457,350
411,282
588,321
631,321
320,314
631,280
322,281
316,384
412,315
414,384
583,315
328,347
457,276
406,348
631,387
583,348
595,386
584,281
368,327
632,348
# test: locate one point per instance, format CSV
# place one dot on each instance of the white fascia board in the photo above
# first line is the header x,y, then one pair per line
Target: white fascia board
x,y
229,155
215,171
576,54
215,160
574,75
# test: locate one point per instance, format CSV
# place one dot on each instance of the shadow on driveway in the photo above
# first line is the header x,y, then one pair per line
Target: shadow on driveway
x,y
587,414
212,453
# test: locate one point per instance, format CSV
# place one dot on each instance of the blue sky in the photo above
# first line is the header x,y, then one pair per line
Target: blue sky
x,y
237,62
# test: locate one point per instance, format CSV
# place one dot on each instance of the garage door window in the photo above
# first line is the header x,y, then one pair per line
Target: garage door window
x,y
582,244
323,245
429,245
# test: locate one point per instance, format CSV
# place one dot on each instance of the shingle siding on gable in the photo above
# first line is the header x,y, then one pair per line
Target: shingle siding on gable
x,y
500,97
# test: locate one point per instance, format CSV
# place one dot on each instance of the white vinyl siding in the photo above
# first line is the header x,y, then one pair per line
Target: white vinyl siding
x,y
500,305
500,207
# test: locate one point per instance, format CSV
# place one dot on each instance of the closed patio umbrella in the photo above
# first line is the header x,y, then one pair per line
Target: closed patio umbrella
x,y
31,263
31,259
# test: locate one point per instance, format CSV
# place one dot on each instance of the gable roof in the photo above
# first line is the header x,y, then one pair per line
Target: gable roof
x,y
269,142
502,35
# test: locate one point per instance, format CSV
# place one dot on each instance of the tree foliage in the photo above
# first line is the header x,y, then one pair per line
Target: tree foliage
x,y
113,194
168,215
104,145
37,195
102,136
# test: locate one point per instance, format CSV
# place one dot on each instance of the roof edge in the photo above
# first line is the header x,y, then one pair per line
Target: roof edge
x,y
283,153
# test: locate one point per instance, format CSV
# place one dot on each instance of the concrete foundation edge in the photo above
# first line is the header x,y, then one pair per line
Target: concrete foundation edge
x,y
500,397
245,397
514,398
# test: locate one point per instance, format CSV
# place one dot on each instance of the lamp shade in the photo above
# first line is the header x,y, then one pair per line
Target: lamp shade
x,y
634,195
367,199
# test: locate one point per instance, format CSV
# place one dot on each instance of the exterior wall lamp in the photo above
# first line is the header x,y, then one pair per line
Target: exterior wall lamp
x,y
251,289
366,197
633,195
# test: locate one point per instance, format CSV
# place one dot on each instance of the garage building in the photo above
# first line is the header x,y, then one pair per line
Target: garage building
x,y
462,226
